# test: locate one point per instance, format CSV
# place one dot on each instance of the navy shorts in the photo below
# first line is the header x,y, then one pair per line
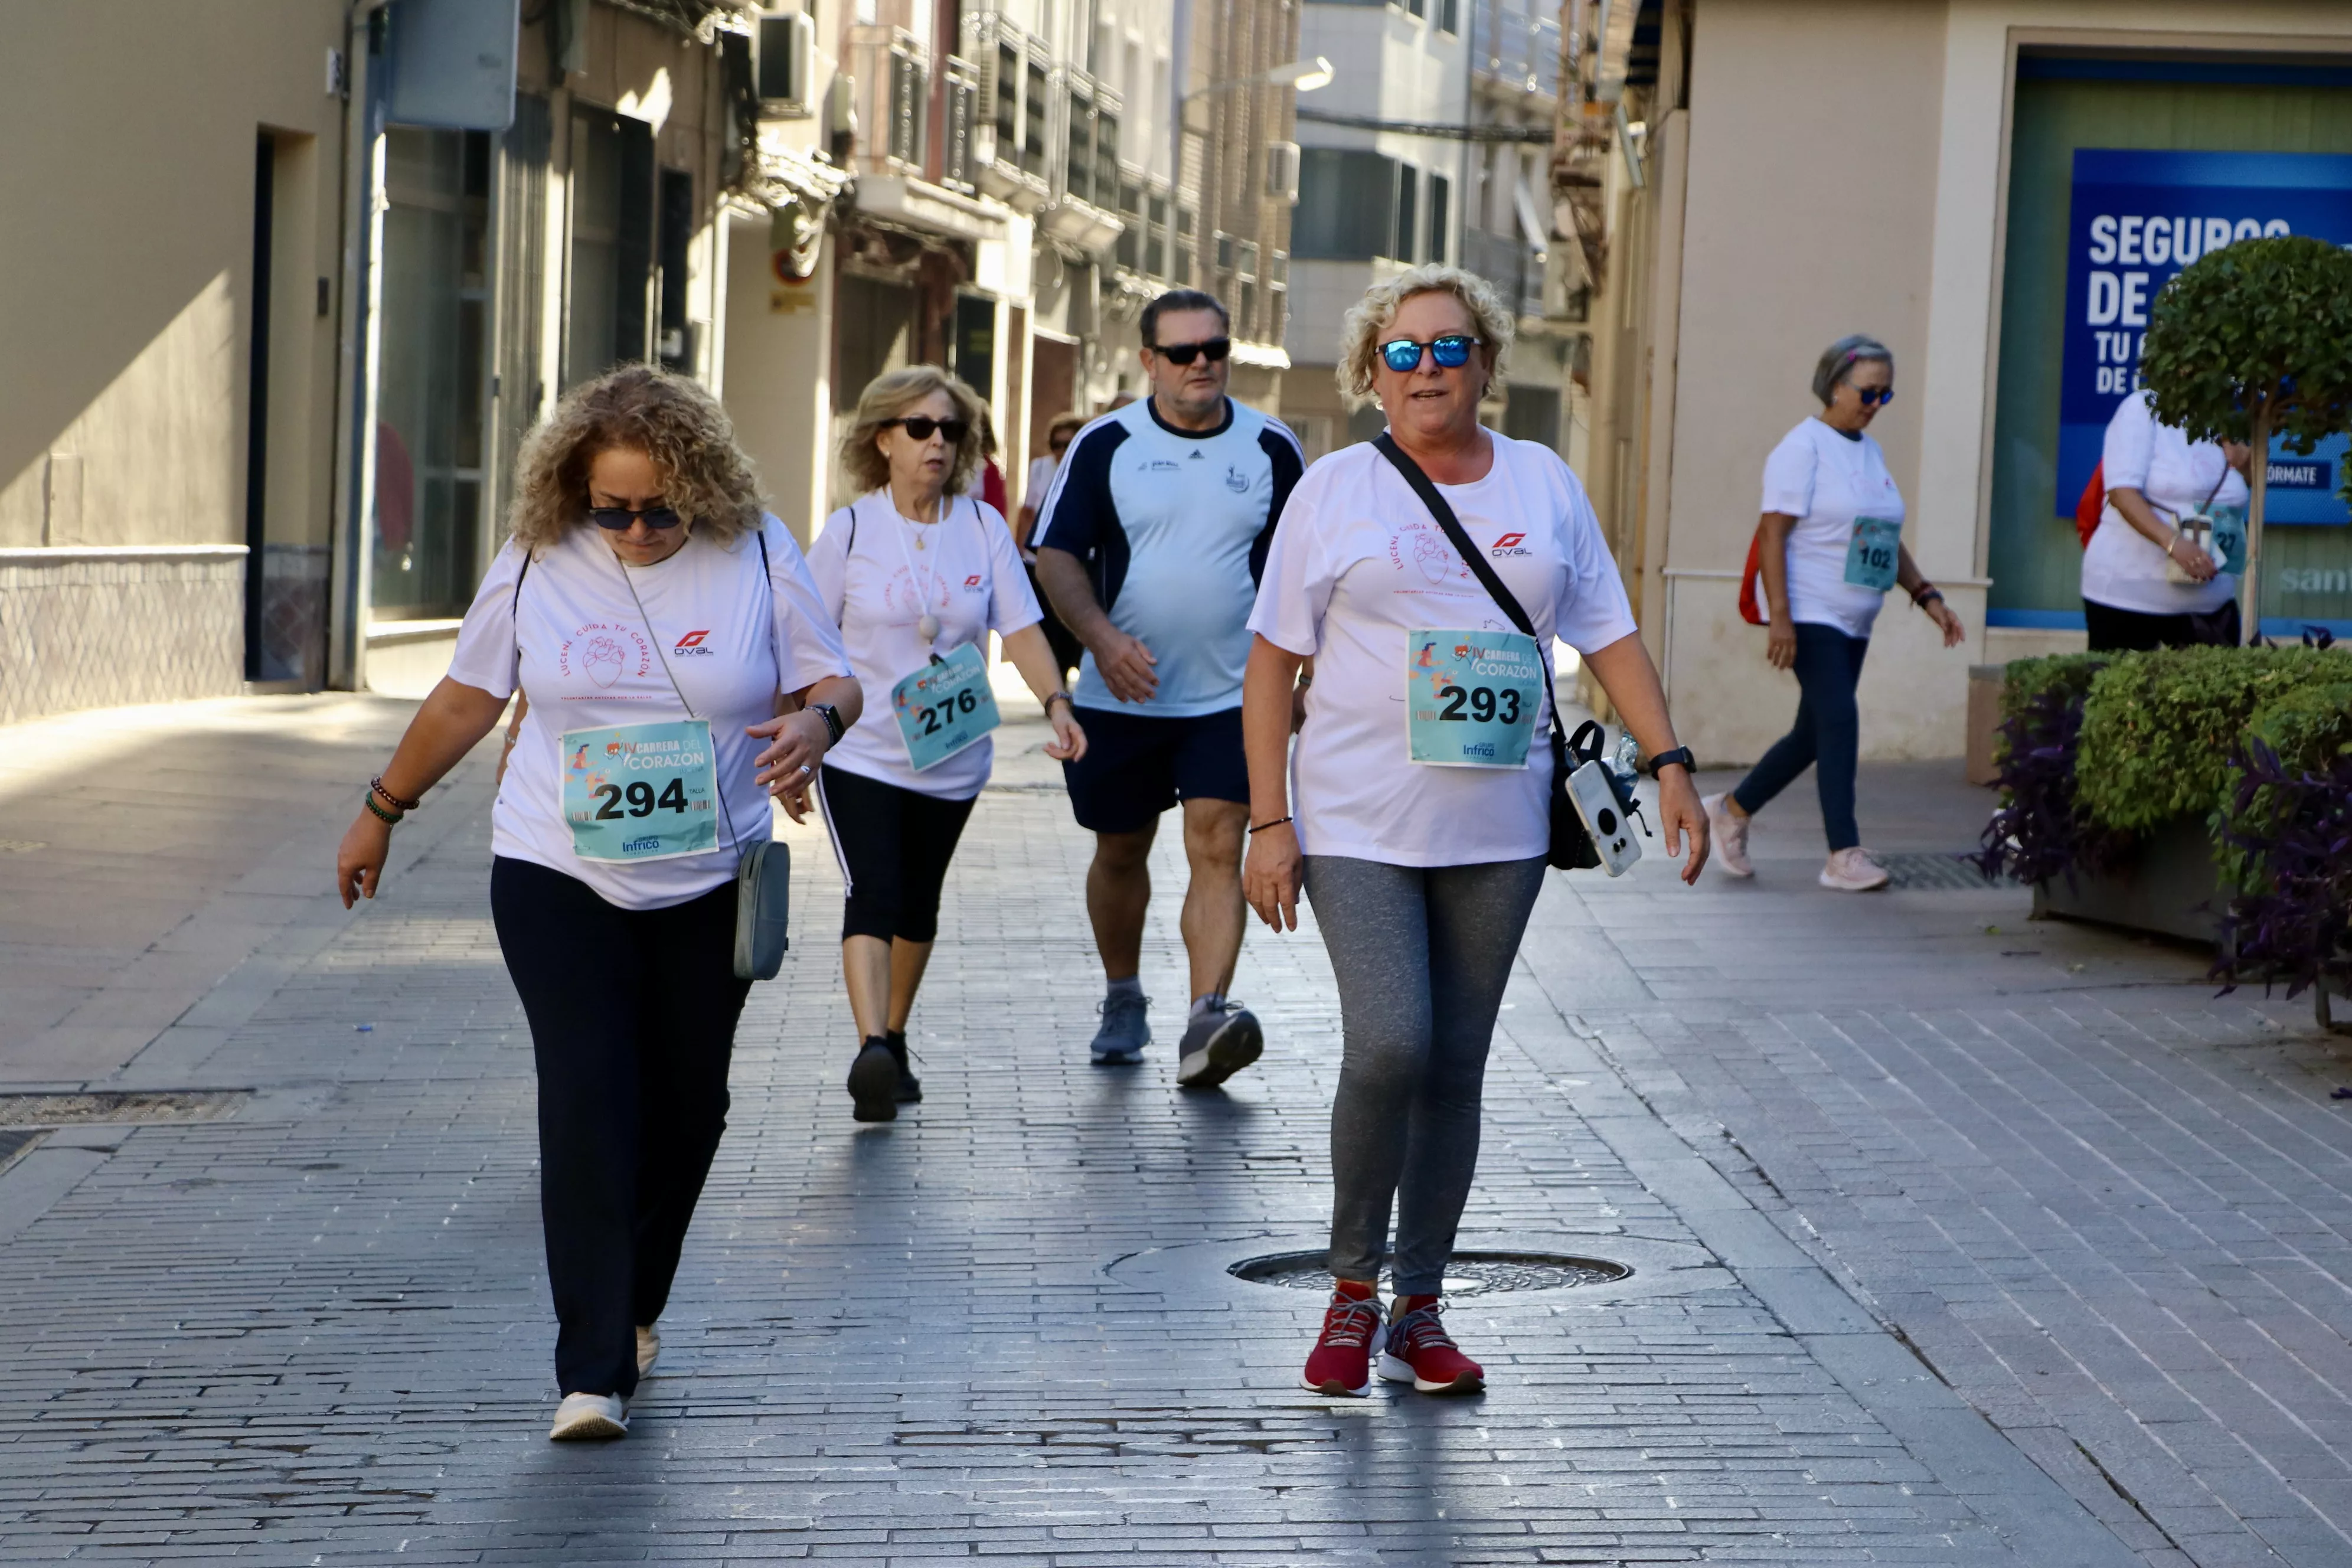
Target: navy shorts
x,y
1137,765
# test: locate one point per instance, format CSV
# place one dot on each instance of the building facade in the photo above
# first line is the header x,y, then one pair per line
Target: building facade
x,y
1382,183
1737,183
306,282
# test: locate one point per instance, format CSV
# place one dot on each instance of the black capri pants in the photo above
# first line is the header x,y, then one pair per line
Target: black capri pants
x,y
631,1026
894,845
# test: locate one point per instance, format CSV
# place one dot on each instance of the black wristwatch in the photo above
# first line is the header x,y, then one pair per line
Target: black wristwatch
x,y
1679,754
833,726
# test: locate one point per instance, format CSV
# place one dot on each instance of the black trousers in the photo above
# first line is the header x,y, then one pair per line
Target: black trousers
x,y
632,1024
2137,631
895,845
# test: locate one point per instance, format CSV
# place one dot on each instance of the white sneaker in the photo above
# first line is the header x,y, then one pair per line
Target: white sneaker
x,y
590,1417
1853,871
648,1349
1727,837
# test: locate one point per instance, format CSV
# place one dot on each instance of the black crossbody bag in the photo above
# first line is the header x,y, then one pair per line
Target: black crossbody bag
x,y
1572,847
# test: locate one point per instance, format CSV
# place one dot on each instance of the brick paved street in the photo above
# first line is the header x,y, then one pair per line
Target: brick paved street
x,y
1842,1142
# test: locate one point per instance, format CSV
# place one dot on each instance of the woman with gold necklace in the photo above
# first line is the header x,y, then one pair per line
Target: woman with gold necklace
x,y
916,573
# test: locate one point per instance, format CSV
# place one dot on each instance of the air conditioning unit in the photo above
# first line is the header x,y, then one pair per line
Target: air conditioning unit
x,y
784,60
1282,171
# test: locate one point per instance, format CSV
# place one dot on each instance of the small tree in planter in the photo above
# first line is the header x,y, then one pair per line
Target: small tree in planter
x,y
2250,342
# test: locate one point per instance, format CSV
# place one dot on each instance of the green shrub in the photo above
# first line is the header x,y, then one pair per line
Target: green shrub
x,y
2309,726
2159,729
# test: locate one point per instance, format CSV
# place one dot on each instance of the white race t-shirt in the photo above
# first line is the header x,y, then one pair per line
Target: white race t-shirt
x,y
588,659
1356,563
2122,568
1825,481
875,579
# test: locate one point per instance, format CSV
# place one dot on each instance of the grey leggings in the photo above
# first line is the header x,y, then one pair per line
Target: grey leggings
x,y
1421,955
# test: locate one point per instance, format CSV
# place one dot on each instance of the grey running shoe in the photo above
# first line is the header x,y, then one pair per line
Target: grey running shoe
x,y
1218,1044
874,1083
1126,1030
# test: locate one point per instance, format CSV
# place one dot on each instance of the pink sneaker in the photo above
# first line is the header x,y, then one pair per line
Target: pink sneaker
x,y
1853,871
1420,1352
1728,836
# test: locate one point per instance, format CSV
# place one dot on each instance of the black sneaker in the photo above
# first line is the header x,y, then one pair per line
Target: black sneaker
x,y
910,1088
874,1082
1217,1044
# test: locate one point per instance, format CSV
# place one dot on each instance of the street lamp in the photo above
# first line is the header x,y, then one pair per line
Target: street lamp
x,y
1304,76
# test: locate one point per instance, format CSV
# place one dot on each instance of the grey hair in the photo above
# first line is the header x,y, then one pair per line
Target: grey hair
x,y
1839,359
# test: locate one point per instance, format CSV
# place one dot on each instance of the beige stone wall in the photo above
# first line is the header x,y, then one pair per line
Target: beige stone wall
x,y
1813,139
123,415
128,317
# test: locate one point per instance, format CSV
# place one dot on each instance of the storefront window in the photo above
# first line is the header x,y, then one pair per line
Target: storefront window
x,y
433,388
2042,453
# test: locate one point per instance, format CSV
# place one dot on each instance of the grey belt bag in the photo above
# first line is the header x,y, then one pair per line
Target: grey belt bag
x,y
762,896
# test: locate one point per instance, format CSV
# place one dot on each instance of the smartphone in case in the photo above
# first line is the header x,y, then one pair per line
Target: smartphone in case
x,y
1596,803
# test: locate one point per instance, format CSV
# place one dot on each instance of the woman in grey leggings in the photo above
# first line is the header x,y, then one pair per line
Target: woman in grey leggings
x,y
1416,811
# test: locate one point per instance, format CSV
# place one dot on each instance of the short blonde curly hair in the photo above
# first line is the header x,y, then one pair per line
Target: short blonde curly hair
x,y
673,420
1360,330
887,398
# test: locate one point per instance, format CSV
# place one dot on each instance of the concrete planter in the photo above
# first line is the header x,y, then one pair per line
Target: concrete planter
x,y
2170,887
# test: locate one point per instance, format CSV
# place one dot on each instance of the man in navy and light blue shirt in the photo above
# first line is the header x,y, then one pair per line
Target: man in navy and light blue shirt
x,y
1150,545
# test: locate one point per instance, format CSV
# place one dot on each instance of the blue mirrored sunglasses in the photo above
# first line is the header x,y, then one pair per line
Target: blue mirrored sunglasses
x,y
1452,352
1876,395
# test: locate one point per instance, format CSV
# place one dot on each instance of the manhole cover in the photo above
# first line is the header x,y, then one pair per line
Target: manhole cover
x,y
1934,870
1470,1273
112,1106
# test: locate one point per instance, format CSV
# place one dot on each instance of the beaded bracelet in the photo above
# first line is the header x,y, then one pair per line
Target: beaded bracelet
x,y
375,786
389,818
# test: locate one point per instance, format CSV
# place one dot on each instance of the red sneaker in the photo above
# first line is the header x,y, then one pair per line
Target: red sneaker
x,y
1341,1362
1420,1352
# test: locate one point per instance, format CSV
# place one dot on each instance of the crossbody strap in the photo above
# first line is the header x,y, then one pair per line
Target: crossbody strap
x,y
1504,600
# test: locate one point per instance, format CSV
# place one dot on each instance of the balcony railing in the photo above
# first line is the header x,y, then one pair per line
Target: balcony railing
x,y
1516,48
1511,264
958,156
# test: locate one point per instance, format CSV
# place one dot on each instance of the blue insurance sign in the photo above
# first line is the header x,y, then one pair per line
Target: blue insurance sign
x,y
2139,217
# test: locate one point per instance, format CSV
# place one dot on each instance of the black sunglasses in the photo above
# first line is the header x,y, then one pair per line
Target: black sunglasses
x,y
1179,355
618,517
921,427
1874,395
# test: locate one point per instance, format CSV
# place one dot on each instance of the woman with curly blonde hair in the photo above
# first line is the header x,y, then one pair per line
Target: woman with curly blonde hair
x,y
1427,574
678,668
916,573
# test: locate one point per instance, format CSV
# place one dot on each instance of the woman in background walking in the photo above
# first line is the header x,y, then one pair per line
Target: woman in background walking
x,y
1831,547
916,574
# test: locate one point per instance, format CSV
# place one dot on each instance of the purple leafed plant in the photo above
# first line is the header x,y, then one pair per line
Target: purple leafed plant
x,y
2042,831
2291,921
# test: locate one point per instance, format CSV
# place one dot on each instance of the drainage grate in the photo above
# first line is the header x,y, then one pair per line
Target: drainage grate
x,y
1934,870
1470,1273
116,1106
